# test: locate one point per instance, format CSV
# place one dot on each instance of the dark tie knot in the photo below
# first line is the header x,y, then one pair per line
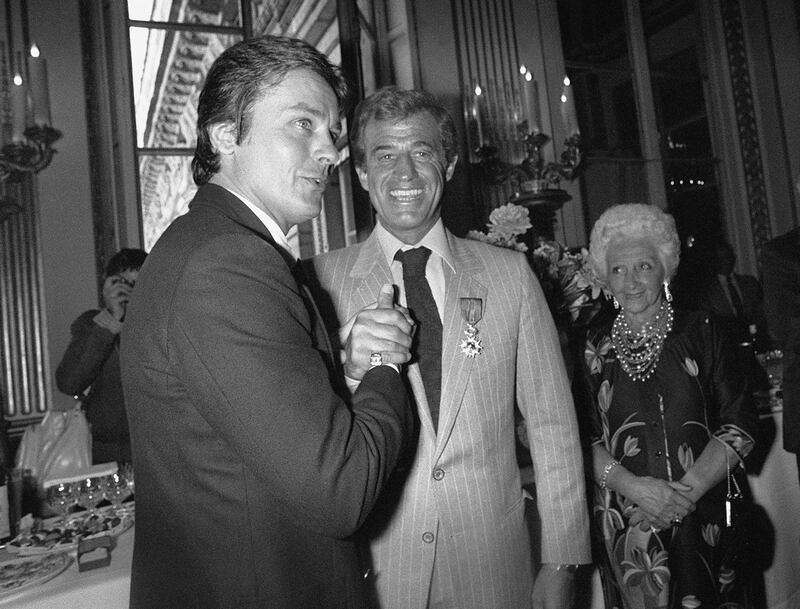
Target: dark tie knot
x,y
413,261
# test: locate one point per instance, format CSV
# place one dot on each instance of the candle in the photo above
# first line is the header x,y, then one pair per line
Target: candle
x,y
40,93
568,117
530,100
477,111
526,96
17,44
19,103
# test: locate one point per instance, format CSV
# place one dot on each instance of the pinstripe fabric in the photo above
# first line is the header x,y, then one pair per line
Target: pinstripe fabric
x,y
476,510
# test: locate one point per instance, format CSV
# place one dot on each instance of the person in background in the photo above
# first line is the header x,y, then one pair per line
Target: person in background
x,y
91,361
449,530
670,417
252,475
780,266
735,298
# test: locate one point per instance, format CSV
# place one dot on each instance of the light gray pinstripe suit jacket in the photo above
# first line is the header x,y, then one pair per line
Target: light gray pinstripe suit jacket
x,y
475,510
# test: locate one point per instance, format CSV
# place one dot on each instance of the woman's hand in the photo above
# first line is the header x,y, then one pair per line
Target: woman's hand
x,y
658,502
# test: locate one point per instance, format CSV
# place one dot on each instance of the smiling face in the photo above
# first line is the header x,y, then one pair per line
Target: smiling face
x,y
282,164
405,171
635,276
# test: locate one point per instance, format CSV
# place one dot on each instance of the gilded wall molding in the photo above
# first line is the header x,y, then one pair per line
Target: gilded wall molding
x,y
746,124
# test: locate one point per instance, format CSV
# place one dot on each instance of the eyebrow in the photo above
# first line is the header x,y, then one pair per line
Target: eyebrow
x,y
391,146
307,108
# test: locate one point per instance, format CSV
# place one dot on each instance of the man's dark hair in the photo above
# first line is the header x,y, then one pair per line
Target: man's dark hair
x,y
395,104
237,80
127,259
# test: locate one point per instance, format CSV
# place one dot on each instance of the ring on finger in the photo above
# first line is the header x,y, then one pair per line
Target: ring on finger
x,y
375,359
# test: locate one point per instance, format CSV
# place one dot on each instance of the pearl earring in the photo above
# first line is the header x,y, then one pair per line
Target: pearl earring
x,y
615,302
667,293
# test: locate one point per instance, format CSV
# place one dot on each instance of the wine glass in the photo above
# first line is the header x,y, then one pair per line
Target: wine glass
x,y
61,497
127,471
90,492
117,489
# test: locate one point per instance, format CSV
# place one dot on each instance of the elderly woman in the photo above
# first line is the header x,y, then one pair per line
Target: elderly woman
x,y
671,419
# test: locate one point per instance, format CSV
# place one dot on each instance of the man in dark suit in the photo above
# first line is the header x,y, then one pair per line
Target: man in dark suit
x,y
780,263
733,297
251,472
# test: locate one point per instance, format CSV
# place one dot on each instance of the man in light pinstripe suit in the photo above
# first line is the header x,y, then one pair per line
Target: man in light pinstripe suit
x,y
449,531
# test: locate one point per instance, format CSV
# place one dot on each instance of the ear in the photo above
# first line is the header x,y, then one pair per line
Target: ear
x,y
363,178
223,137
451,167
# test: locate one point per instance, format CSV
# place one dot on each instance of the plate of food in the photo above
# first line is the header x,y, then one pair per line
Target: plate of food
x,y
25,571
52,536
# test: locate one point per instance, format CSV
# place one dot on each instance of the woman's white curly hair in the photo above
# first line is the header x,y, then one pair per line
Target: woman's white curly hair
x,y
630,221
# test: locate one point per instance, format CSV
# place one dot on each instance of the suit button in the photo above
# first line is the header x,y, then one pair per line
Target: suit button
x,y
438,473
658,453
427,537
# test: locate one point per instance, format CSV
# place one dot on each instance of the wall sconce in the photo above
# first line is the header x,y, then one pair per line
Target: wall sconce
x,y
534,180
26,134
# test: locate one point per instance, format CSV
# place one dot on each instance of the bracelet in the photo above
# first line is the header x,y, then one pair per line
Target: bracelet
x,y
567,568
607,470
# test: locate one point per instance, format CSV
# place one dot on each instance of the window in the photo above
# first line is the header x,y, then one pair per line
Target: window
x,y
172,45
638,68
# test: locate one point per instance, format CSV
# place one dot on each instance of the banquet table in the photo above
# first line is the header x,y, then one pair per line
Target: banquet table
x,y
101,588
776,491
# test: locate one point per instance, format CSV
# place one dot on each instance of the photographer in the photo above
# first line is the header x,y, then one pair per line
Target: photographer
x,y
91,360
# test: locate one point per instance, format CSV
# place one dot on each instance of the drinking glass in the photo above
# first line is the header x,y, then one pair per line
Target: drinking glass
x,y
90,492
127,471
61,497
117,490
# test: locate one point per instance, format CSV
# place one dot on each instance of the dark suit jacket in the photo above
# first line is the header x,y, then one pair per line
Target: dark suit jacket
x,y
714,300
251,473
92,360
780,263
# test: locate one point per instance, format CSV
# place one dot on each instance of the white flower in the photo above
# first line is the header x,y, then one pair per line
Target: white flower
x,y
509,220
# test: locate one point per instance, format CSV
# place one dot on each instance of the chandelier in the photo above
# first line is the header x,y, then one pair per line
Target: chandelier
x,y
26,131
534,180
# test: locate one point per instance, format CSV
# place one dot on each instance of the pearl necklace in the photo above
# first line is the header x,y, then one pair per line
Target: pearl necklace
x,y
638,352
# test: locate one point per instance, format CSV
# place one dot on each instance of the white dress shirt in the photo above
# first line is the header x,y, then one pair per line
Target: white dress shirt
x,y
269,223
723,281
436,241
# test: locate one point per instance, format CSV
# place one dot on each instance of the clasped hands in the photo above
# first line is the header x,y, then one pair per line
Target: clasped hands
x,y
659,504
382,327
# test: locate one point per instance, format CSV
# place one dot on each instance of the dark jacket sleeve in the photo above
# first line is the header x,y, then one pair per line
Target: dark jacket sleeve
x,y
240,337
89,347
731,381
781,279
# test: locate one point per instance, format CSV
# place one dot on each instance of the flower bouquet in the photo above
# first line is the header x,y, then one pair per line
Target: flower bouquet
x,y
568,284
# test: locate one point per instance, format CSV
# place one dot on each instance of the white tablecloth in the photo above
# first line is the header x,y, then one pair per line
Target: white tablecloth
x,y
776,489
101,588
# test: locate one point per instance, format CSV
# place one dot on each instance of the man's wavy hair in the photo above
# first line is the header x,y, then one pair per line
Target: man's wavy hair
x,y
238,79
395,104
633,221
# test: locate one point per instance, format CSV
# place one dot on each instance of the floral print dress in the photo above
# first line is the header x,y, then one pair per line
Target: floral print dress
x,y
657,428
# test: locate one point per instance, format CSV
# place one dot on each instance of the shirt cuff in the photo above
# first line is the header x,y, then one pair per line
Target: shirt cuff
x,y
106,320
352,384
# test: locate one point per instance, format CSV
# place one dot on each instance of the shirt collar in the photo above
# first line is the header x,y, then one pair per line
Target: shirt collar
x,y
269,223
435,240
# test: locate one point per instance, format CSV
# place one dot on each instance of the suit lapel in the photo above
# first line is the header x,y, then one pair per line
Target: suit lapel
x,y
368,274
456,366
